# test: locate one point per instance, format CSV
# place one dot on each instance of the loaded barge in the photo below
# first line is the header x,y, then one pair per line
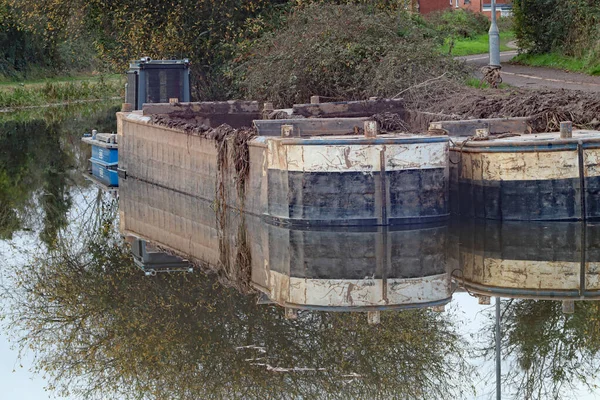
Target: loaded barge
x,y
294,172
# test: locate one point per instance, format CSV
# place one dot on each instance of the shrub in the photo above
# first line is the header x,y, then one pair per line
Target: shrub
x,y
545,25
459,23
341,52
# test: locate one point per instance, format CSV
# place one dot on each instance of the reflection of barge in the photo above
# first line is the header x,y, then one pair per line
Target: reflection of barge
x,y
152,260
559,261
355,270
327,269
529,177
105,158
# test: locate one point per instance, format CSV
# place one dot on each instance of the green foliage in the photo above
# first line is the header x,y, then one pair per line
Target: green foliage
x,y
379,5
561,61
459,23
340,52
571,28
477,45
46,38
18,47
50,92
203,31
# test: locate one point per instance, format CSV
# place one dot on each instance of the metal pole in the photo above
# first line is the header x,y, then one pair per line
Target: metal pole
x,y
498,354
494,36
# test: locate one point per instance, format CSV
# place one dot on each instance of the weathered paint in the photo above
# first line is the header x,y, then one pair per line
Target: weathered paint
x,y
521,274
533,177
357,181
337,180
366,158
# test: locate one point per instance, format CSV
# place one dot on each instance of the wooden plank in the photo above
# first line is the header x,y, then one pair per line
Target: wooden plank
x,y
496,125
310,126
364,108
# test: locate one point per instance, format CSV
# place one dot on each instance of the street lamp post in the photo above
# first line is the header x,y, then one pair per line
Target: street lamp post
x,y
498,352
494,35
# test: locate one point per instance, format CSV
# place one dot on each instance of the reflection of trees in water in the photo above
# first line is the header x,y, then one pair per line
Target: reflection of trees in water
x,y
37,156
98,325
551,353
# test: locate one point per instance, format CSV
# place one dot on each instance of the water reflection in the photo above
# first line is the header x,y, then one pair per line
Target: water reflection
x,y
546,271
38,155
274,312
335,270
533,260
98,324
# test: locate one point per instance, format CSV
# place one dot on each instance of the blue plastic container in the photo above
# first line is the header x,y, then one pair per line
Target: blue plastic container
x,y
104,154
105,172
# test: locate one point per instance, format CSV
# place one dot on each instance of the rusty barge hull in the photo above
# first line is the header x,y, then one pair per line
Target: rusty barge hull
x,y
347,180
529,178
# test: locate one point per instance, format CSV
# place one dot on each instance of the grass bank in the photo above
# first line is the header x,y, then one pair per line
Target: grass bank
x,y
479,44
559,61
59,90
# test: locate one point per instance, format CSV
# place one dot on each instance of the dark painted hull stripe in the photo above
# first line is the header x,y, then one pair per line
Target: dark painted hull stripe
x,y
310,223
533,200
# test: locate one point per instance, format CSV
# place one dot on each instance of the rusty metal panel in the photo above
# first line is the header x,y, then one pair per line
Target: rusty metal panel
x,y
311,126
468,127
364,108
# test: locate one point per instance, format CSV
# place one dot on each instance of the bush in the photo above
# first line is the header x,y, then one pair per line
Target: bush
x,y
542,26
459,23
341,52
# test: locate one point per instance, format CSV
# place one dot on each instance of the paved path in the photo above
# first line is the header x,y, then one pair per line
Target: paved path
x,y
537,77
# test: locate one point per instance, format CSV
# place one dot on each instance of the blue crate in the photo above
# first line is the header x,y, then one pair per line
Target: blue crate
x,y
104,154
105,173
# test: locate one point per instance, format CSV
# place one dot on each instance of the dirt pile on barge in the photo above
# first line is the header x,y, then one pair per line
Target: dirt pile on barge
x,y
544,108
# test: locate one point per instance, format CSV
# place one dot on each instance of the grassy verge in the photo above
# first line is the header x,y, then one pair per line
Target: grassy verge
x,y
59,90
6,82
477,45
556,60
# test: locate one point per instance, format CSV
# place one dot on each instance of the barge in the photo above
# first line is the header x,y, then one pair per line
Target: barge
x,y
531,177
297,174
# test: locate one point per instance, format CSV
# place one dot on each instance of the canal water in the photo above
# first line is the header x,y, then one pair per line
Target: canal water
x,y
152,294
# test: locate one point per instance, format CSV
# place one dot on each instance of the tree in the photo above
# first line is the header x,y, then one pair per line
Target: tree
x,y
550,352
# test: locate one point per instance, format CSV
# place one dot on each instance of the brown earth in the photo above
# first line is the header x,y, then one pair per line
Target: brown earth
x,y
546,108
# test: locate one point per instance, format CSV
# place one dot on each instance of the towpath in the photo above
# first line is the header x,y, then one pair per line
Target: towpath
x,y
537,77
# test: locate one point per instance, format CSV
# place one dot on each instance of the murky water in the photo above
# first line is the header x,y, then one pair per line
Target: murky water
x,y
98,295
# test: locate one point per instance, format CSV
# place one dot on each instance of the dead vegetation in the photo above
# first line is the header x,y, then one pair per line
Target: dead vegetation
x,y
544,108
232,151
343,52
